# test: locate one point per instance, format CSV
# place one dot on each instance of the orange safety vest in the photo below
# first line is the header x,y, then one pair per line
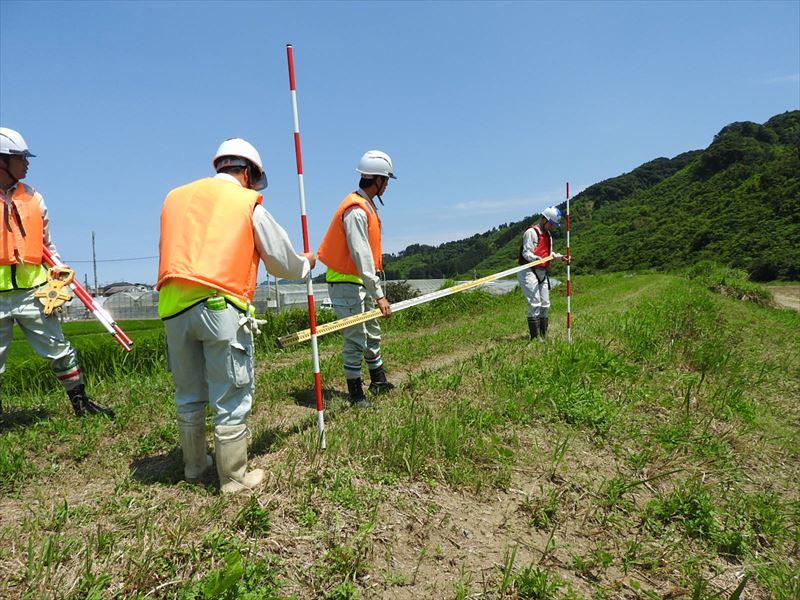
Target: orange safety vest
x,y
207,237
22,229
333,249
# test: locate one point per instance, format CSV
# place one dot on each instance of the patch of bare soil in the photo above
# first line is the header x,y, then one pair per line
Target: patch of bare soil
x,y
787,296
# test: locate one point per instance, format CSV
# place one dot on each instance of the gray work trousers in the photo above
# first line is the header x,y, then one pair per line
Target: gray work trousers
x,y
535,285
210,356
42,332
362,342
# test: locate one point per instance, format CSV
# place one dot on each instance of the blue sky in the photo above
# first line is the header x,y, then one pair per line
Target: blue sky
x,y
486,108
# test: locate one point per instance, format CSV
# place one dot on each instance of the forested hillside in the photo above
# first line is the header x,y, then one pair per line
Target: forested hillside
x,y
737,203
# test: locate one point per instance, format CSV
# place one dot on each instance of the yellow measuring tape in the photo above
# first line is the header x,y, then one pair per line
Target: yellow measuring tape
x,y
305,334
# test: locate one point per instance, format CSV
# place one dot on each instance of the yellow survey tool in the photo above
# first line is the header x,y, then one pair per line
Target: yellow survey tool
x,y
55,294
305,335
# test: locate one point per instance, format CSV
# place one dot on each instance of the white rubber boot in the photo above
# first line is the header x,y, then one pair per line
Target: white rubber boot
x,y
231,447
193,443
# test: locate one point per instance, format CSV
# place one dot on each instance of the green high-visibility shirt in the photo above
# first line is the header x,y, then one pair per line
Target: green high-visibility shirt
x,y
21,276
177,295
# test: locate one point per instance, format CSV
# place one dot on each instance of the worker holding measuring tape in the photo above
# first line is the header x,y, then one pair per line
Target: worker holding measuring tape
x,y
214,232
24,233
351,249
537,242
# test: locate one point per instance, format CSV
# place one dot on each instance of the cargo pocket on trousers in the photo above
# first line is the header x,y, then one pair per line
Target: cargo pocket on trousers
x,y
240,365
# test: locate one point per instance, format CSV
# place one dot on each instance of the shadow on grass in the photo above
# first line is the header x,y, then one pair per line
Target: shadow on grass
x,y
308,397
18,418
266,440
162,468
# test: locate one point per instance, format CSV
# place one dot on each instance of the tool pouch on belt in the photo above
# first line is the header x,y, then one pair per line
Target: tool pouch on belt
x,y
55,292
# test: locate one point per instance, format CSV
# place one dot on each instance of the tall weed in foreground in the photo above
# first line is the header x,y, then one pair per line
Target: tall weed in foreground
x,y
100,358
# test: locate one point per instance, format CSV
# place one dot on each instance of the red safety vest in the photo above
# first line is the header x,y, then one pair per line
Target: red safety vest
x,y
544,247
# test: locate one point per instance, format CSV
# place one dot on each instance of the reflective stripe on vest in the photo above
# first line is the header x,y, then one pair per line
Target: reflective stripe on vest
x,y
207,237
333,249
22,229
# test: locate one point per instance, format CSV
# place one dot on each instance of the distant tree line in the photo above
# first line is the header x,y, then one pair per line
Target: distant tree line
x,y
736,203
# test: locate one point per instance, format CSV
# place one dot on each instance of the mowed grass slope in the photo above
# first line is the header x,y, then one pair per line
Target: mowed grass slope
x,y
655,457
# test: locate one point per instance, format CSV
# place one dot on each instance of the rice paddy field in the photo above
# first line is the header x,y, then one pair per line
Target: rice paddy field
x,y
657,456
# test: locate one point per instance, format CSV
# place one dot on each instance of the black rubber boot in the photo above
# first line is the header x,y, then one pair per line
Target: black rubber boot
x,y
356,392
533,327
543,328
377,381
82,404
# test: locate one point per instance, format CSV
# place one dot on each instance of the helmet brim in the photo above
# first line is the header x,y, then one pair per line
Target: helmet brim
x,y
389,175
22,153
261,183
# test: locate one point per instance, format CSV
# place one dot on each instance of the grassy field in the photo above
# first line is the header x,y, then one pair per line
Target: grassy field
x,y
655,457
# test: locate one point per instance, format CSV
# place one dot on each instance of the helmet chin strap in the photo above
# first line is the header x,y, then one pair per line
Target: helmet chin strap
x,y
377,194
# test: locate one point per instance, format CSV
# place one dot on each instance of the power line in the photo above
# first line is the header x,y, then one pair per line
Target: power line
x,y
113,259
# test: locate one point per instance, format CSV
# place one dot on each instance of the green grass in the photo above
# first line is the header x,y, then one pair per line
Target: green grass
x,y
655,455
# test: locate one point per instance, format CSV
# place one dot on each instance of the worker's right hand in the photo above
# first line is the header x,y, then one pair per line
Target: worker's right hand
x,y
312,258
385,307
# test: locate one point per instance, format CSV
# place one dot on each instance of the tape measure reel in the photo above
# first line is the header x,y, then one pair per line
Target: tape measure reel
x,y
55,293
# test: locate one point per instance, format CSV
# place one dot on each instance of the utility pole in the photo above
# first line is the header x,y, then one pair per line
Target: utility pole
x,y
277,296
94,263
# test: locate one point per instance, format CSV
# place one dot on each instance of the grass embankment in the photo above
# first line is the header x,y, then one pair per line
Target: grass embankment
x,y
657,456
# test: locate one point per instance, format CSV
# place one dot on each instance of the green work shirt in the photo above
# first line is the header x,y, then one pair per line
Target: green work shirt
x,y
21,276
177,295
332,276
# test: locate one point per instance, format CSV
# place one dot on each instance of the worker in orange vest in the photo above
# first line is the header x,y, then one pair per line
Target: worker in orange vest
x,y
351,249
214,232
24,232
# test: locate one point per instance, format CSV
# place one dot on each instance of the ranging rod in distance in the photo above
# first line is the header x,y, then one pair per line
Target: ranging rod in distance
x,y
305,334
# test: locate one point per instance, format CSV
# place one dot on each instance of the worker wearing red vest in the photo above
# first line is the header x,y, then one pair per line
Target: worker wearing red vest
x,y
537,242
24,232
214,232
351,249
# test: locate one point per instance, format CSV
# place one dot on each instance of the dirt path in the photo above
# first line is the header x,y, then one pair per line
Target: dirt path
x,y
787,296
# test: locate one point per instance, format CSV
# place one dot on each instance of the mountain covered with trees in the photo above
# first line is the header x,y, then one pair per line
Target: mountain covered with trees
x,y
736,203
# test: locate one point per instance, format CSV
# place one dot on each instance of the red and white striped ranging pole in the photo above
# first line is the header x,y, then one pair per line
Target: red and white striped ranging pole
x,y
98,311
569,281
312,316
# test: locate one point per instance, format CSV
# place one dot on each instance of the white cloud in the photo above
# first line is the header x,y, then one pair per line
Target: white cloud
x,y
451,222
393,244
794,78
529,204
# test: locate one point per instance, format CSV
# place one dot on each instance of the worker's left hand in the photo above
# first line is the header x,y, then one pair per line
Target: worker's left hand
x,y
384,305
311,257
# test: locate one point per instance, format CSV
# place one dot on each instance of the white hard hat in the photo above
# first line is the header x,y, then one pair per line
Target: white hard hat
x,y
11,142
375,162
230,153
552,214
